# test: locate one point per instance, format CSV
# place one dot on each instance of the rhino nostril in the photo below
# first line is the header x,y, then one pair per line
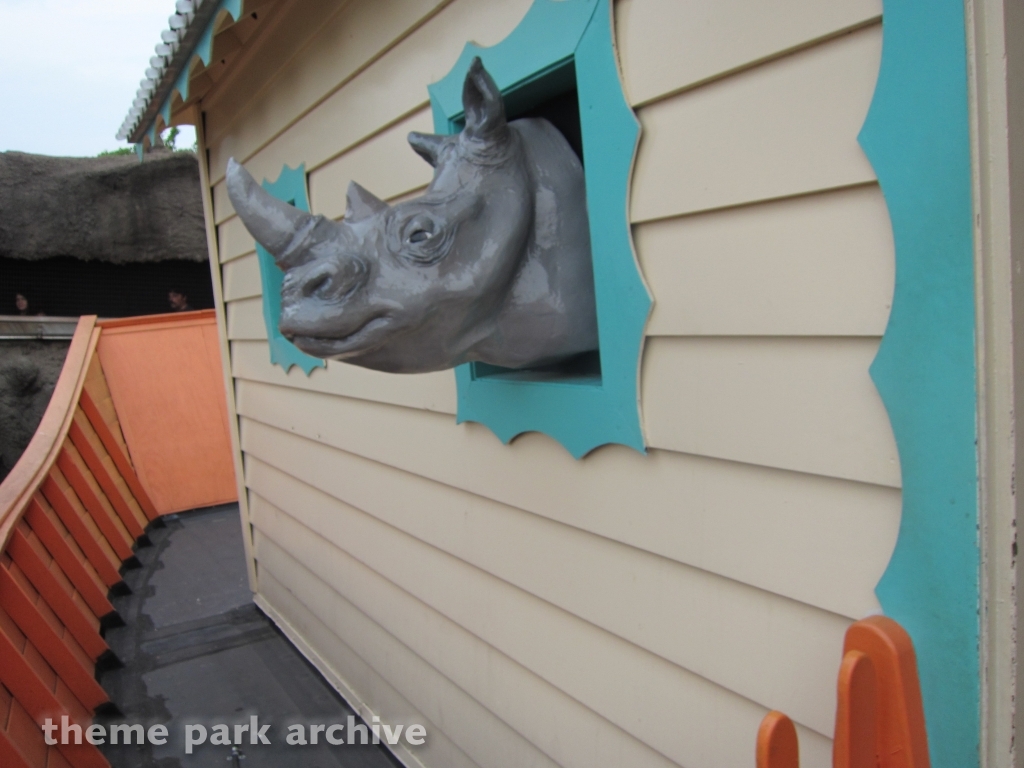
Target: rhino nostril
x,y
317,280
328,280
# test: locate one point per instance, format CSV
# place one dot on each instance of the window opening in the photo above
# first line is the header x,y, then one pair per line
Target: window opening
x,y
553,96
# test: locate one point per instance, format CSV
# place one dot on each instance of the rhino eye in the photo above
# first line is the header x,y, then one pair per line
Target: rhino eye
x,y
421,238
419,230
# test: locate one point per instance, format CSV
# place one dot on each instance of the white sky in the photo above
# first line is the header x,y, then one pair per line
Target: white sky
x,y
69,70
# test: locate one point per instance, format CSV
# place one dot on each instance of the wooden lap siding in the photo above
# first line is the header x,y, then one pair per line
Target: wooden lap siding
x,y
623,609
69,519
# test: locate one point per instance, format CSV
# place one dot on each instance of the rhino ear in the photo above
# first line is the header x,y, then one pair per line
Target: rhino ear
x,y
361,204
481,99
427,145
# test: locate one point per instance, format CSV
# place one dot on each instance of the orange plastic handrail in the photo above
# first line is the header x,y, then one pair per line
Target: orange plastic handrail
x,y
168,318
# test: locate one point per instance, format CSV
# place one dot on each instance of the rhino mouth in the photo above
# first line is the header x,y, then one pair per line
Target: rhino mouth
x,y
360,340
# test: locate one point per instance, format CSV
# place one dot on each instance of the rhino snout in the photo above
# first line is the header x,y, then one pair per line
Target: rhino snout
x,y
327,280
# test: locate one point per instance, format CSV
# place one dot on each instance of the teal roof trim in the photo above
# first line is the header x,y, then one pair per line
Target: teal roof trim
x,y
190,39
202,51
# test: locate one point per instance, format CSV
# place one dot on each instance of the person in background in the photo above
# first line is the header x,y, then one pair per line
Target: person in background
x,y
21,304
178,301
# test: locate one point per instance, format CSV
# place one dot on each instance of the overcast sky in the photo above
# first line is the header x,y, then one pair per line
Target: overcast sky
x,y
69,70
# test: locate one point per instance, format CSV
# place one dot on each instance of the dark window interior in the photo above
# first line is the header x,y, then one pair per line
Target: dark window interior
x,y
563,112
69,287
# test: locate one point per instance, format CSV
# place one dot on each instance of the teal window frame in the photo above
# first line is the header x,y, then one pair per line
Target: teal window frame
x,y
290,187
917,137
537,59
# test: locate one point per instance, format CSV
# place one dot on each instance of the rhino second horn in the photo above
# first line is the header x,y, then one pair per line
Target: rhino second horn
x,y
361,204
427,145
274,224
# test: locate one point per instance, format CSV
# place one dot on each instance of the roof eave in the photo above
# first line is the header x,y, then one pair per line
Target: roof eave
x,y
204,15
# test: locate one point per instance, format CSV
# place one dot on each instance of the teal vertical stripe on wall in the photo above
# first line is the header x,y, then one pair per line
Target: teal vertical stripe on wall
x,y
917,138
290,187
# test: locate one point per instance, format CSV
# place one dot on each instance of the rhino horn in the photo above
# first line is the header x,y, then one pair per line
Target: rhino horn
x,y
427,145
485,112
277,226
361,204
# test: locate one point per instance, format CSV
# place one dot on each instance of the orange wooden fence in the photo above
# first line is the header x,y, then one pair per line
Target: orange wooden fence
x,y
77,502
165,377
70,511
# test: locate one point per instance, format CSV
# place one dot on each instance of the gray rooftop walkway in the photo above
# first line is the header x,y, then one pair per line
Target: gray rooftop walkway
x,y
196,649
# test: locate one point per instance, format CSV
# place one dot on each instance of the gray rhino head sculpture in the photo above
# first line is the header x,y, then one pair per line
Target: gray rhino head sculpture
x,y
491,264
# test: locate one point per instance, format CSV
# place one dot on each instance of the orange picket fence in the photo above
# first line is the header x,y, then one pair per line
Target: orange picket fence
x,y
879,713
77,503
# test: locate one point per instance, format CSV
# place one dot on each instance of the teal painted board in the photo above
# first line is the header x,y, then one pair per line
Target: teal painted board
x,y
290,187
204,47
202,51
545,39
917,137
553,39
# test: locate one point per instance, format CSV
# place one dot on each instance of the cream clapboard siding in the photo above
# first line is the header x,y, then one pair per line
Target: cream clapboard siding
x,y
624,609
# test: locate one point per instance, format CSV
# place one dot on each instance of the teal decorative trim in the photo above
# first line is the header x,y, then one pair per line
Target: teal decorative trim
x,y
181,85
204,48
917,137
537,59
203,51
290,187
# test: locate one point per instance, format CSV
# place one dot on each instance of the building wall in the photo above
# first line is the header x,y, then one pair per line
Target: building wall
x,y
535,610
996,51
